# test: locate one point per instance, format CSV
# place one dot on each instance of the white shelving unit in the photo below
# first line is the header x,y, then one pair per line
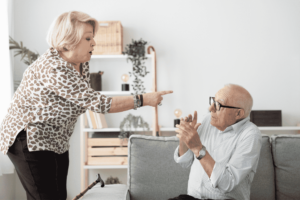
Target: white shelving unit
x,y
118,93
85,131
279,128
282,128
115,56
118,129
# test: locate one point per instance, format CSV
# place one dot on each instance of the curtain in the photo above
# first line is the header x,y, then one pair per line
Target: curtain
x,y
6,78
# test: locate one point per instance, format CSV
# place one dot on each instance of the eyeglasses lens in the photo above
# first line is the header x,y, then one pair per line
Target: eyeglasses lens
x,y
216,104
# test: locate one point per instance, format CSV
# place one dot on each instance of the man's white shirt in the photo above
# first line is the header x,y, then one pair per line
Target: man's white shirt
x,y
236,153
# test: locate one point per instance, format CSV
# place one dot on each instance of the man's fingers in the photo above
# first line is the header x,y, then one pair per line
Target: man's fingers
x,y
182,125
185,127
195,118
179,135
186,119
180,130
165,92
190,118
197,126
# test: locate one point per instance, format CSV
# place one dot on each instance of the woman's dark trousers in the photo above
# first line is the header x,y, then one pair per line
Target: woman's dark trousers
x,y
43,174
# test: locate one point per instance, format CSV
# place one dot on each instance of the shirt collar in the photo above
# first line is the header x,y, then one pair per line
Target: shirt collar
x,y
56,55
237,126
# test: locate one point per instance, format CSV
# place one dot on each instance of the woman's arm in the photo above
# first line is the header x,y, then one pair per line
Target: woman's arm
x,y
120,104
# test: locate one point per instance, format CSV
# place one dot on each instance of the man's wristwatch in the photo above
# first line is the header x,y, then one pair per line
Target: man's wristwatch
x,y
202,153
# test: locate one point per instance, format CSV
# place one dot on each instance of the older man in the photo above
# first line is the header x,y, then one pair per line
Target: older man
x,y
224,150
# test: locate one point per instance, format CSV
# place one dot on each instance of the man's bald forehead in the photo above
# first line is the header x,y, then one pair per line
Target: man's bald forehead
x,y
237,90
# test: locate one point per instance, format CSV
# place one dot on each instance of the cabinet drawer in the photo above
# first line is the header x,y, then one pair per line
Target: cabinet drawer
x,y
107,160
106,142
110,151
107,151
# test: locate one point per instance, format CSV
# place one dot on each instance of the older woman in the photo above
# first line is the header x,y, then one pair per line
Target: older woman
x,y
54,91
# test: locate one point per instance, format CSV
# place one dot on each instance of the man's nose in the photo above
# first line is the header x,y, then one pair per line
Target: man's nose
x,y
212,108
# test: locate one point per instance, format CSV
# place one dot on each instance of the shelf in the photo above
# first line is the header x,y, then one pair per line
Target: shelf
x,y
279,128
114,56
105,166
118,93
118,129
267,128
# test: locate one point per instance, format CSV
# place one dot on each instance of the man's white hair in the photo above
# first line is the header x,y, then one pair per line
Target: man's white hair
x,y
243,97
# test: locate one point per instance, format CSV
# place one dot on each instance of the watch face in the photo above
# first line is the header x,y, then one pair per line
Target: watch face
x,y
202,153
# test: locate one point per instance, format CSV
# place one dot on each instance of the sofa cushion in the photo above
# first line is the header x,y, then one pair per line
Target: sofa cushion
x,y
263,184
286,156
152,171
109,192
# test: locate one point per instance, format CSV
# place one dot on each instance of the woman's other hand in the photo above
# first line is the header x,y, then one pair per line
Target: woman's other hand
x,y
154,98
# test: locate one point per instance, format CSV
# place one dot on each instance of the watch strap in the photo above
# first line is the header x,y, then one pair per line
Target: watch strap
x,y
141,98
202,153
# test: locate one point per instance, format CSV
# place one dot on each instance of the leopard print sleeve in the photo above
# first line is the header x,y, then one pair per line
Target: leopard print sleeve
x,y
67,83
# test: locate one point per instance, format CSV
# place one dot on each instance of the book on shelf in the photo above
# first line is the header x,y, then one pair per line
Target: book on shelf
x,y
96,120
88,117
101,120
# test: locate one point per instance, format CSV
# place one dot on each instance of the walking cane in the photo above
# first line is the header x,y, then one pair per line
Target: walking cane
x,y
90,187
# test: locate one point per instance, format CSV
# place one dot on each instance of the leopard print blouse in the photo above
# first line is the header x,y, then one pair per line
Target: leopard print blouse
x,y
47,103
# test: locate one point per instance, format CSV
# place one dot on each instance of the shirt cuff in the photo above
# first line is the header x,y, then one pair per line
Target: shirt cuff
x,y
216,173
184,158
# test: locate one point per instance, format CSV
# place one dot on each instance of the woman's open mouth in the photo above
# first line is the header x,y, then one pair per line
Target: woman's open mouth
x,y
91,52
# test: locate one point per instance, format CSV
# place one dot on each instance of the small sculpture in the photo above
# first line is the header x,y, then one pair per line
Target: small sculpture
x,y
112,180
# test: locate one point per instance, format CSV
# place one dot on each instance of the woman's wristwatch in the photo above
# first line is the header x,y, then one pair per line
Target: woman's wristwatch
x,y
138,102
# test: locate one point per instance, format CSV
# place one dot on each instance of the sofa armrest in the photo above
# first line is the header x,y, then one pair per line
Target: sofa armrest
x,y
111,192
127,195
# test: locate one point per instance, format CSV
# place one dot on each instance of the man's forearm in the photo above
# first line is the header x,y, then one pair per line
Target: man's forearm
x,y
207,161
182,148
208,164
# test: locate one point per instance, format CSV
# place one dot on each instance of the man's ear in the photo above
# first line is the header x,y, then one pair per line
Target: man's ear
x,y
240,114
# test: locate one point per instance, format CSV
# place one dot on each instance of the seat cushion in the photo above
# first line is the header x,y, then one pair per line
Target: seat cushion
x,y
263,184
152,171
286,156
111,192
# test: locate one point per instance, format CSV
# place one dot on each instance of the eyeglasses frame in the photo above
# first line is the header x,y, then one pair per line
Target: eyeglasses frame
x,y
213,98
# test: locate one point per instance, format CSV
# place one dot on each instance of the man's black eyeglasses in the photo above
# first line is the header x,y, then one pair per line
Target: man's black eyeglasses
x,y
217,105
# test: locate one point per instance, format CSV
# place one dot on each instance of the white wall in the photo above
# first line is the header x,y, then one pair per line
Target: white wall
x,y
7,181
7,187
201,45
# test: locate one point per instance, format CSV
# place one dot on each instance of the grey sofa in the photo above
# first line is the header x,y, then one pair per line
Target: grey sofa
x,y
153,174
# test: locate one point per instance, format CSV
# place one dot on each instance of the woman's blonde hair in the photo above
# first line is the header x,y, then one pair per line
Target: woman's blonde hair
x,y
66,31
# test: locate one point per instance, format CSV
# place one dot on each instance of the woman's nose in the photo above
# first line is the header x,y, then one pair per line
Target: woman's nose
x,y
93,42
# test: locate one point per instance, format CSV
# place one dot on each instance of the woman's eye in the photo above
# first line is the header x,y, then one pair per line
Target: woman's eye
x,y
88,39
